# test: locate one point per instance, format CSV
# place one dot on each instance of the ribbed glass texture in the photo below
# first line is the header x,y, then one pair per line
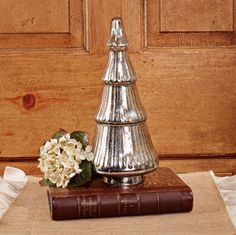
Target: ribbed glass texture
x,y
123,147
120,104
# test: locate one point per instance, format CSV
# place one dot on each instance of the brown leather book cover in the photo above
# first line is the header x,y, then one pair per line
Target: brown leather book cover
x,y
161,192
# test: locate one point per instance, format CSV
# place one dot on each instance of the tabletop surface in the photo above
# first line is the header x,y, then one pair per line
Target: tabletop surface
x,y
29,214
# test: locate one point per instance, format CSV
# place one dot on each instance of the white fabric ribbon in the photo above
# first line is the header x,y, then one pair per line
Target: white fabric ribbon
x,y
227,188
11,184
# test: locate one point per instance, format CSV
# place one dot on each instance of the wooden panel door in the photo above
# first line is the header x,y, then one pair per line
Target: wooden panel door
x,y
53,55
41,24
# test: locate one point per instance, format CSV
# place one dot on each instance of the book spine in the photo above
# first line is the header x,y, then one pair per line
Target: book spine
x,y
126,204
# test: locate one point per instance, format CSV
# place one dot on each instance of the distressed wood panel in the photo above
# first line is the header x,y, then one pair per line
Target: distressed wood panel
x,y
179,31
64,94
195,15
188,93
219,166
132,13
33,16
55,24
189,98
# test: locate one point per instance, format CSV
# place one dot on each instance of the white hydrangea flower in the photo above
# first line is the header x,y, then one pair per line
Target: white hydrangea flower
x,y
60,159
89,156
88,153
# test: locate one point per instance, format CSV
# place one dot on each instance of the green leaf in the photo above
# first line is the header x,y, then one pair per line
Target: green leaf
x,y
93,169
47,182
59,134
80,136
84,177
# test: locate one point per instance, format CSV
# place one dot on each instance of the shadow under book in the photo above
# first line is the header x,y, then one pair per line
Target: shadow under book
x,y
161,192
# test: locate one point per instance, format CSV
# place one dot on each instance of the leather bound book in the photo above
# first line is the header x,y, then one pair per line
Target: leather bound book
x,y
161,192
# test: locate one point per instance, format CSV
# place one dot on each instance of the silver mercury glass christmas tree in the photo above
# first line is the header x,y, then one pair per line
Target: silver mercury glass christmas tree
x,y
123,148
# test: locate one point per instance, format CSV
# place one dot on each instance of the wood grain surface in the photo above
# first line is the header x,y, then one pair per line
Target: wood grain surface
x,y
189,93
191,23
196,16
42,24
33,16
189,98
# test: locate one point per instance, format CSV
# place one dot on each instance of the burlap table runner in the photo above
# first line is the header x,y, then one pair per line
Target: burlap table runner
x,y
29,214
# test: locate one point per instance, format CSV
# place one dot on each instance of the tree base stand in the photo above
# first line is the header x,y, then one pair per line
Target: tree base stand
x,y
123,181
